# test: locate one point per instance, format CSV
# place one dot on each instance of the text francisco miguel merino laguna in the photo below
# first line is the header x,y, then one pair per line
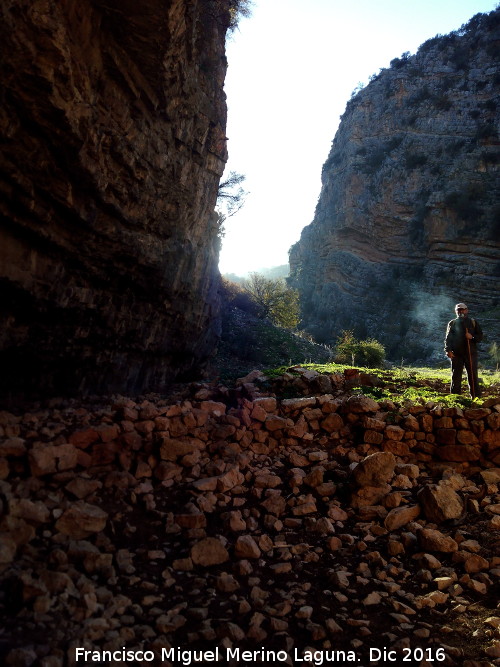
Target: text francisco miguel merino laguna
x,y
187,657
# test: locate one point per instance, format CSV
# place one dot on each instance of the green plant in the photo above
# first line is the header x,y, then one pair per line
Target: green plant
x,y
494,352
230,198
459,58
454,147
409,385
442,102
374,160
464,203
234,295
416,229
239,9
421,95
333,160
490,157
369,353
489,105
414,160
486,132
397,63
275,299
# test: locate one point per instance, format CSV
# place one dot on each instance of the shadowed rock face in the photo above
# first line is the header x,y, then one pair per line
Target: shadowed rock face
x,y
113,121
407,220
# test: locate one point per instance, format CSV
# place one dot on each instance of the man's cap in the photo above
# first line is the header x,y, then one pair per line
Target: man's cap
x,y
460,305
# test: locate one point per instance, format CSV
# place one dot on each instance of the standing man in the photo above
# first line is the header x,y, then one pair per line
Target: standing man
x,y
462,335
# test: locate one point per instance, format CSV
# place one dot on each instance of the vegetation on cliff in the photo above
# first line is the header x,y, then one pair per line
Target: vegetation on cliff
x,y
251,339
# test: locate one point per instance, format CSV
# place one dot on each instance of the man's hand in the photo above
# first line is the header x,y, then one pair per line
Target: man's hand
x,y
450,354
469,335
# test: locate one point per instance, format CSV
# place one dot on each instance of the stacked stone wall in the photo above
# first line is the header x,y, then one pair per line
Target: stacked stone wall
x,y
166,442
148,523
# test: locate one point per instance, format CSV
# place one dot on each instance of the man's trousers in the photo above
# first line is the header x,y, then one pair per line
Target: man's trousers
x,y
457,367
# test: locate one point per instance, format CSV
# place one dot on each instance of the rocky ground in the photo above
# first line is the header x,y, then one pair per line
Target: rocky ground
x,y
234,521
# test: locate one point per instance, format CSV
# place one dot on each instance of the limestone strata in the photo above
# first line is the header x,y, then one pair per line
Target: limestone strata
x,y
113,123
407,220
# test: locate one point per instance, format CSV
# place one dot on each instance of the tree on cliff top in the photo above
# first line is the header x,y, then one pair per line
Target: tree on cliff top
x,y
239,9
275,299
230,195
230,198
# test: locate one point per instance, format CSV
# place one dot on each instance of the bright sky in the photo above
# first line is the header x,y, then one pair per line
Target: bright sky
x,y
292,68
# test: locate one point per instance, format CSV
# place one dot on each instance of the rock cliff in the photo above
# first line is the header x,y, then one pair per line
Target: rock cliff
x,y
407,222
113,122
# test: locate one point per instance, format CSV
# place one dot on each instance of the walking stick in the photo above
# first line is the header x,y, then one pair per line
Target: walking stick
x,y
473,388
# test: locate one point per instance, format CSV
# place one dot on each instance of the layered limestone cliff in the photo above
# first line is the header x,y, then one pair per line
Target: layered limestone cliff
x,y
407,223
113,122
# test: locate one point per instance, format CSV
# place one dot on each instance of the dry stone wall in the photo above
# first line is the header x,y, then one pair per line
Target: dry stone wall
x,y
162,440
233,518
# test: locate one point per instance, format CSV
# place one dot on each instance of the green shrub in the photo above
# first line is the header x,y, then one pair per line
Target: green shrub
x,y
333,160
275,299
397,63
374,160
489,105
494,352
419,96
487,131
464,203
442,102
490,158
239,9
459,58
414,160
369,353
235,296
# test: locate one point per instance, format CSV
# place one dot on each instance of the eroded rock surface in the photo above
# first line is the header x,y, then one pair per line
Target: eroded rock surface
x,y
113,124
407,220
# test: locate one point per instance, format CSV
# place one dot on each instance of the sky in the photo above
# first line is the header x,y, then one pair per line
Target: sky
x,y
292,68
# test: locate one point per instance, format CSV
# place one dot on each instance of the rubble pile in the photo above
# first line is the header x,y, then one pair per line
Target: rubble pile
x,y
297,525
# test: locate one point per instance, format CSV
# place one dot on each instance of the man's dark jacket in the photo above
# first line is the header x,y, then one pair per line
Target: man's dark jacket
x,y
456,341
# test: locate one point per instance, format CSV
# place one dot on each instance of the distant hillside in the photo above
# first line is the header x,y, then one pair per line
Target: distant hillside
x,y
282,271
408,219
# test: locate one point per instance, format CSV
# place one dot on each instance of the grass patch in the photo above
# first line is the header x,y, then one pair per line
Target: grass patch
x,y
409,385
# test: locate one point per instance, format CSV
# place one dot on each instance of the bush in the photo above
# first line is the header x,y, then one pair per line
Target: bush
x,y
421,95
464,204
349,350
397,63
239,9
442,102
275,300
374,160
235,296
494,352
487,131
414,160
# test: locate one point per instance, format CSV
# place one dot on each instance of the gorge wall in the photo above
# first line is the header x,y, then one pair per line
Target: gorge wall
x,y
407,222
113,122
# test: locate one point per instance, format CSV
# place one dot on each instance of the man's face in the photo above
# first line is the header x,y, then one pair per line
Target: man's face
x,y
462,312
